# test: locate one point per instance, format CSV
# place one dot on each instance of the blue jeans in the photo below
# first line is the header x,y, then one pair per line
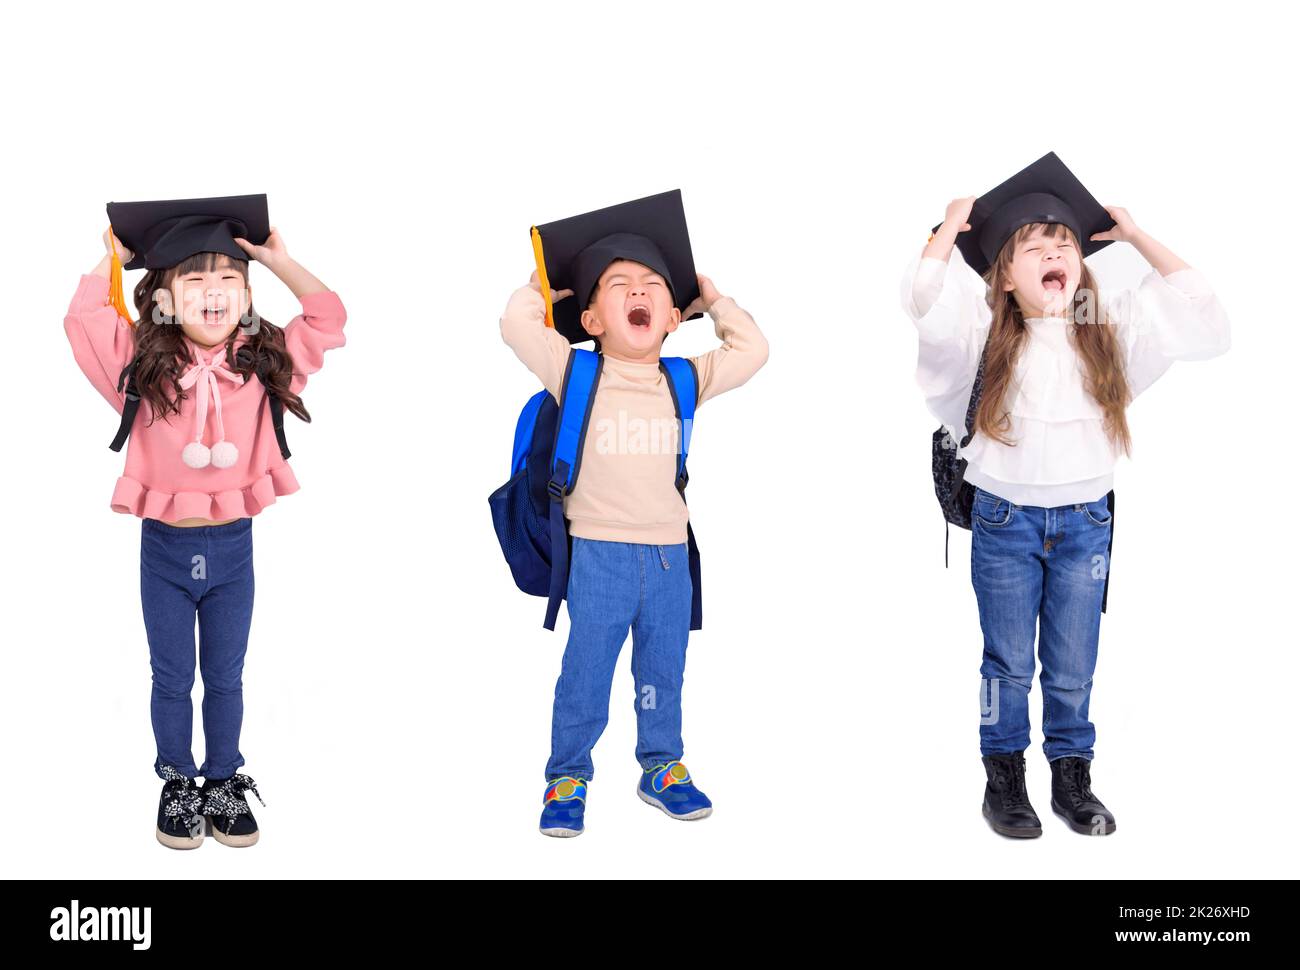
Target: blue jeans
x,y
1038,567
614,586
206,571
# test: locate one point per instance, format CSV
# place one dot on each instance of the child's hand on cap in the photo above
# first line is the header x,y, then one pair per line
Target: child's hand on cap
x,y
956,220
272,252
958,213
1124,230
556,295
709,295
124,254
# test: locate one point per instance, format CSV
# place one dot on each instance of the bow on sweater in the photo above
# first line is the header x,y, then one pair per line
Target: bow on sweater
x,y
204,375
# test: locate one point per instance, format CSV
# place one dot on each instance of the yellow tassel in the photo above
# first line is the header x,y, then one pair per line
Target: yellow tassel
x,y
541,276
116,298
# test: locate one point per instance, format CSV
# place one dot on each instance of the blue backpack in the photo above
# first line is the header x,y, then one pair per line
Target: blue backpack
x,y
528,510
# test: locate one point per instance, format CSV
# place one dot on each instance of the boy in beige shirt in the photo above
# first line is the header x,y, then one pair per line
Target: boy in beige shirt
x,y
629,565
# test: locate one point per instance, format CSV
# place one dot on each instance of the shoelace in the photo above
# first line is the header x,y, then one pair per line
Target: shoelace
x,y
227,799
185,804
1077,779
1011,783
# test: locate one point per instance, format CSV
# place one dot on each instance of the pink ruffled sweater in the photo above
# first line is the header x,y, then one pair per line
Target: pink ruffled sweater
x,y
156,483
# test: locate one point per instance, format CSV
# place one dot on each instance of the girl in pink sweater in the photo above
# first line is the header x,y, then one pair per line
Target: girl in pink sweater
x,y
209,378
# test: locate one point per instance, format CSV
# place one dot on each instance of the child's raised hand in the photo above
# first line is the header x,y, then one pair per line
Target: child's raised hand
x,y
956,219
269,253
708,296
556,295
1125,230
958,213
124,254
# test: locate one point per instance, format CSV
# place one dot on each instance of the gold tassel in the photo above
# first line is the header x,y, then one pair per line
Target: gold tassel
x,y
541,276
116,298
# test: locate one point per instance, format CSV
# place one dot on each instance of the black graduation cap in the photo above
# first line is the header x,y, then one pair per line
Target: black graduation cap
x,y
572,253
1046,191
162,234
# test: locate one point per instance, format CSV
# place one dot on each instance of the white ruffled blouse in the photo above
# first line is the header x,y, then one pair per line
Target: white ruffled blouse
x,y
1062,454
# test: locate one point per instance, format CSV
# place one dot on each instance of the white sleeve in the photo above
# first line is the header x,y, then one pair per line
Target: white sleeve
x,y
947,303
927,284
1168,318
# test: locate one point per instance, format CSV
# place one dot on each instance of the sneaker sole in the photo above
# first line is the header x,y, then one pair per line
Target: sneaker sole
x,y
234,841
688,817
177,841
1011,832
1081,827
562,833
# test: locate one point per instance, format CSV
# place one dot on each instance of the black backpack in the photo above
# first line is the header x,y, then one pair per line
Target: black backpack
x,y
244,360
957,496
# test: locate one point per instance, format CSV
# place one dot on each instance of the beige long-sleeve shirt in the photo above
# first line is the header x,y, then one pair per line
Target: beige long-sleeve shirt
x,y
626,489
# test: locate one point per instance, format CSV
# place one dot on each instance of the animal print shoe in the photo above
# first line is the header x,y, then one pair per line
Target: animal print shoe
x,y
227,809
180,822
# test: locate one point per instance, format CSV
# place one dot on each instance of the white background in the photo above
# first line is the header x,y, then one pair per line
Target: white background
x,y
398,687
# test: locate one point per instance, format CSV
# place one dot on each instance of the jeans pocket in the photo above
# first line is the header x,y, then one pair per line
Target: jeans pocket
x,y
1098,512
990,510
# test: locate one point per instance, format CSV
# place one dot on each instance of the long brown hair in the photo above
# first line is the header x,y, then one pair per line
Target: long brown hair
x,y
162,354
1093,338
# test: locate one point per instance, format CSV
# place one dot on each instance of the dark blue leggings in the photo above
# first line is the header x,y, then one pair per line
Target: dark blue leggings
x,y
204,572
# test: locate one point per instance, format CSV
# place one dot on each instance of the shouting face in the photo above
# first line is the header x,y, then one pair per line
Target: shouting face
x,y
1045,270
631,311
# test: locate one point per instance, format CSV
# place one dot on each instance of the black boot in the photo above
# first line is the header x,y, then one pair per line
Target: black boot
x,y
1073,800
1006,802
227,809
180,824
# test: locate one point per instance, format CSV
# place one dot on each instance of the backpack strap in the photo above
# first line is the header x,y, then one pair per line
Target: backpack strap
x,y
972,406
261,366
132,404
243,360
581,375
1110,504
683,382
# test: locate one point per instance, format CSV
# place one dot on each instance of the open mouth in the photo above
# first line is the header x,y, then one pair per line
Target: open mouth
x,y
1054,281
639,317
211,315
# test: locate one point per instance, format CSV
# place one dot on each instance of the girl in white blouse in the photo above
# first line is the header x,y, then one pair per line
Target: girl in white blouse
x,y
1060,365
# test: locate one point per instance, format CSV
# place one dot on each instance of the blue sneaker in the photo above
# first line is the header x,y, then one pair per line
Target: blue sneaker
x,y
670,789
562,807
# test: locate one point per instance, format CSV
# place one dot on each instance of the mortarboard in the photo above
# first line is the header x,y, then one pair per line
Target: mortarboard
x,y
163,233
1046,191
572,254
